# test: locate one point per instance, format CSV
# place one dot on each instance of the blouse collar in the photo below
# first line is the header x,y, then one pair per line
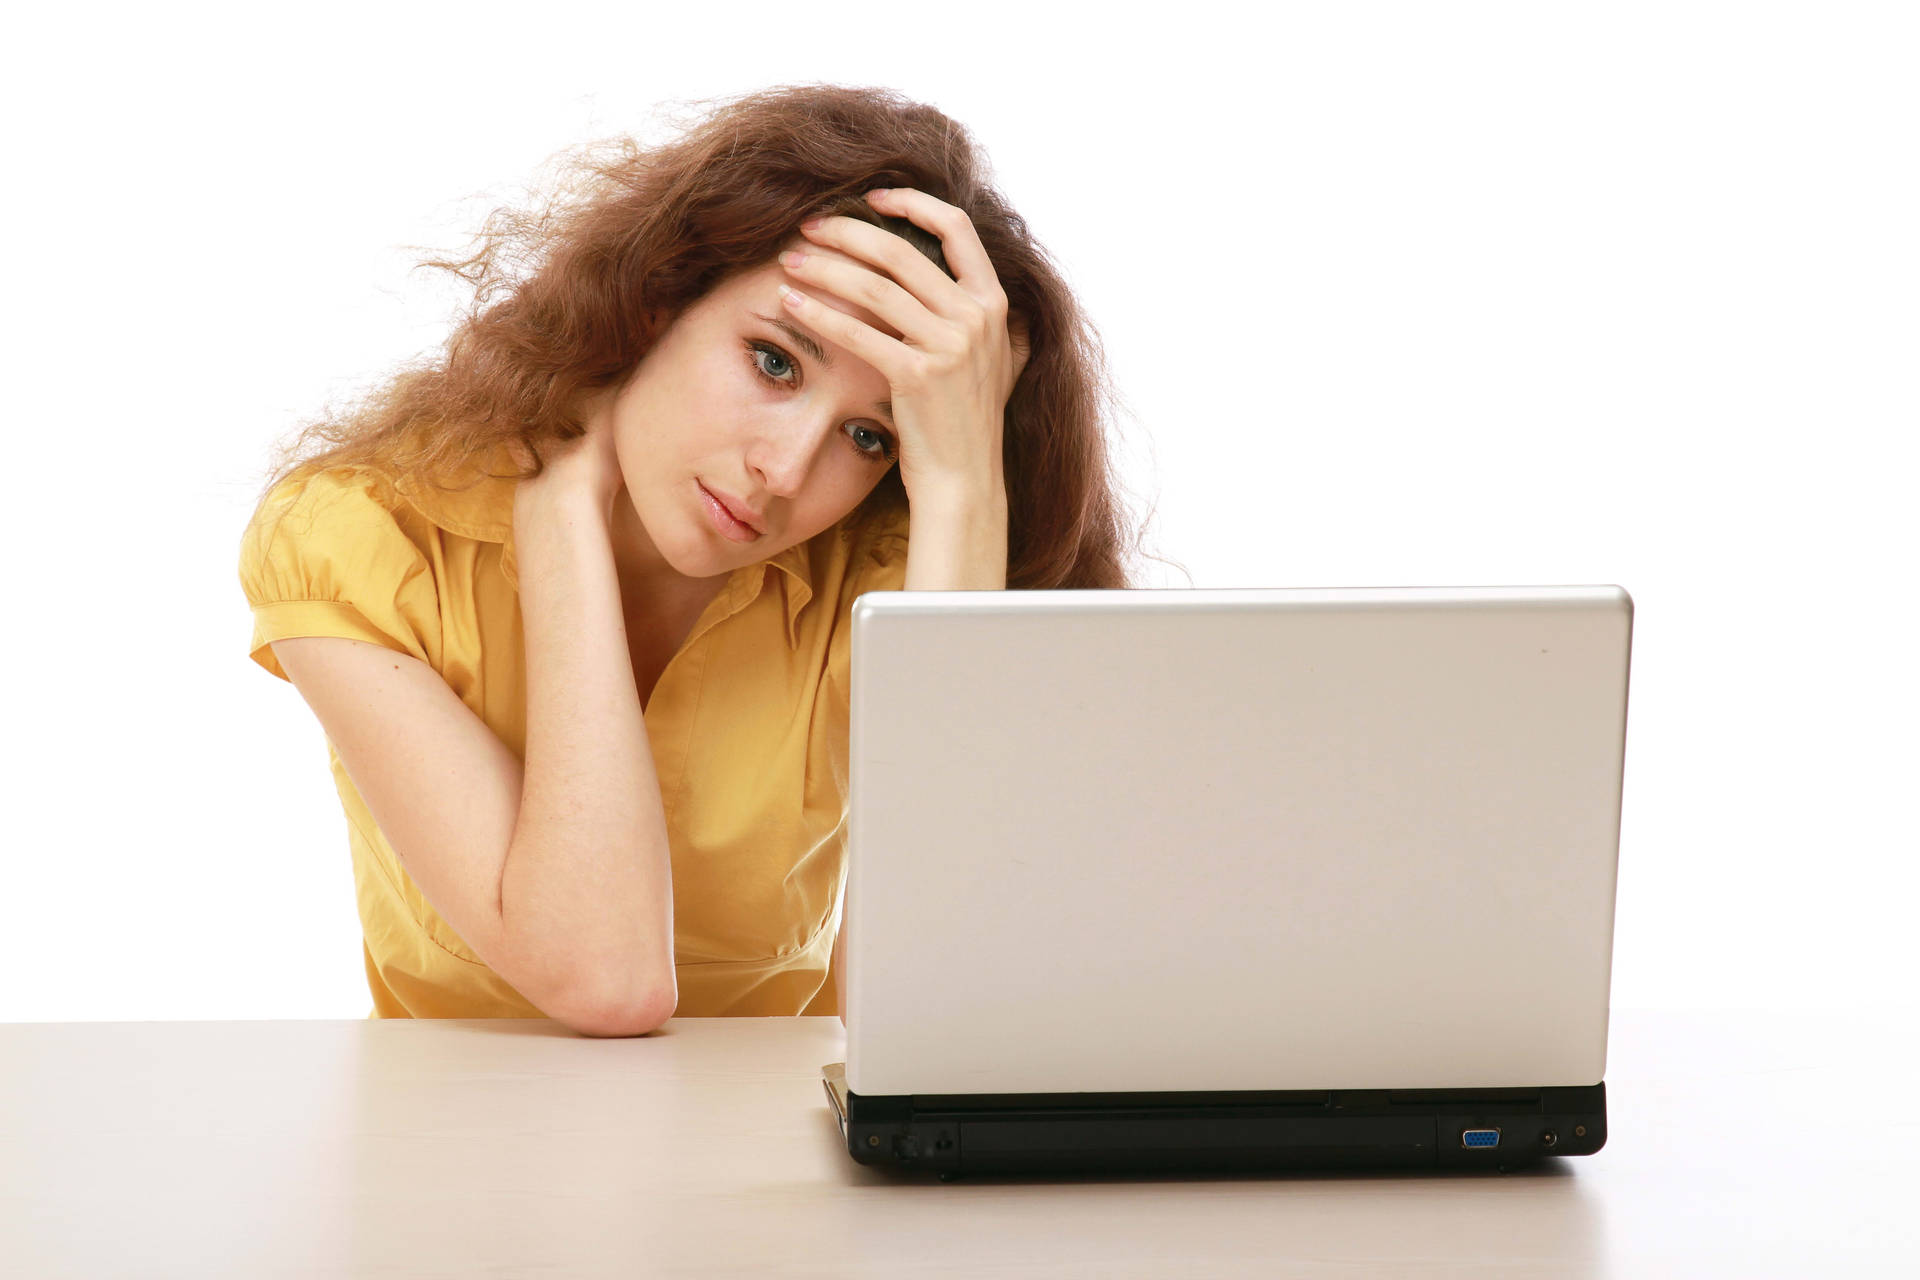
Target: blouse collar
x,y
484,511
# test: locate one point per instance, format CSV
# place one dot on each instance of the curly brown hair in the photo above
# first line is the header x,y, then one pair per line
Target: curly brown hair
x,y
569,296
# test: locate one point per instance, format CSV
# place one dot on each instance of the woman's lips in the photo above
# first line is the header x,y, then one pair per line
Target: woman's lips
x,y
723,519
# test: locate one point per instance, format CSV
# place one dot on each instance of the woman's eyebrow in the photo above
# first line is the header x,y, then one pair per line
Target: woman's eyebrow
x,y
805,341
801,338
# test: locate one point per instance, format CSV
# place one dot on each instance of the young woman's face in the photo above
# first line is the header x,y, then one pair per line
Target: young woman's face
x,y
730,400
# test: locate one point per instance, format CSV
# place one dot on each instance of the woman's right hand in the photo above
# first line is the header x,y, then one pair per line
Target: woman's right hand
x,y
585,469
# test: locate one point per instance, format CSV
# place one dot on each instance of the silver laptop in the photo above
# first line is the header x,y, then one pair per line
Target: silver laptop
x,y
1217,879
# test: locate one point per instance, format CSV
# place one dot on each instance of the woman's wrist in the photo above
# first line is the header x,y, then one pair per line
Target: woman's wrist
x,y
956,492
548,505
957,540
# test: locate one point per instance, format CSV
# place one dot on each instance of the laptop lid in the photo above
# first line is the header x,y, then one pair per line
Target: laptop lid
x,y
1233,840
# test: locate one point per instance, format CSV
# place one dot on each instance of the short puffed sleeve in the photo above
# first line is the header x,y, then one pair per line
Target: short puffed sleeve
x,y
323,557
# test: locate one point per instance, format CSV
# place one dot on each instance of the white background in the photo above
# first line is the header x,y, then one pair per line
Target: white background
x,y
1395,295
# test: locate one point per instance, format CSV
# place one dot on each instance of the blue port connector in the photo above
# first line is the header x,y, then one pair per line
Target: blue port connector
x,y
1480,1138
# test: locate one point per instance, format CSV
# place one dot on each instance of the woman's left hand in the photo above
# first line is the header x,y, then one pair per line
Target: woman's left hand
x,y
959,353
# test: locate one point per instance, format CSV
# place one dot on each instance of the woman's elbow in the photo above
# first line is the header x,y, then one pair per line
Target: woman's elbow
x,y
618,1017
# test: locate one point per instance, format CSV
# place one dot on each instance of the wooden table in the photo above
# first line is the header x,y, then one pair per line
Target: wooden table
x,y
1741,1144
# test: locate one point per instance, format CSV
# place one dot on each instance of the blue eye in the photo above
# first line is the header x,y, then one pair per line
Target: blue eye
x,y
768,349
882,452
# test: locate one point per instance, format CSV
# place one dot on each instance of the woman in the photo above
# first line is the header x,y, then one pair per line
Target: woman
x,y
593,753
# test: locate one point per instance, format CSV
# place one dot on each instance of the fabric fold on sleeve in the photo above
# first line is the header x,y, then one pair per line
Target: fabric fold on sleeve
x,y
322,557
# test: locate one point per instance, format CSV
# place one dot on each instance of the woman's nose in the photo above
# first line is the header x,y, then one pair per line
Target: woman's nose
x,y
786,459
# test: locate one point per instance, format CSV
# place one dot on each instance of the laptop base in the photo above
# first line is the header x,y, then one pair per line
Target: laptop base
x,y
1488,1129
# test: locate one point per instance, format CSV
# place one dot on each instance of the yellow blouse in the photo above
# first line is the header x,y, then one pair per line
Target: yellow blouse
x,y
748,726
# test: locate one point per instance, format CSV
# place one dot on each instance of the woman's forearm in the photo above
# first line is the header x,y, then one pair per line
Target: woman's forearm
x,y
588,876
957,540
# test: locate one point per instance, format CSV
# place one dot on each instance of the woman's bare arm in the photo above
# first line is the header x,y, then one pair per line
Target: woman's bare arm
x,y
589,867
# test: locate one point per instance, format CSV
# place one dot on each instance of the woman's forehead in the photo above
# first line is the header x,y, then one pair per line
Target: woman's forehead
x,y
762,288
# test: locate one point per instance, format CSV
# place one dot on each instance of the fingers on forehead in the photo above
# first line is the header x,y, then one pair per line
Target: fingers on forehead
x,y
855,310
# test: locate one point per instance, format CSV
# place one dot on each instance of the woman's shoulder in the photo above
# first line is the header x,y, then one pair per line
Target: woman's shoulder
x,y
877,555
476,503
882,534
338,505
894,523
318,534
331,554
